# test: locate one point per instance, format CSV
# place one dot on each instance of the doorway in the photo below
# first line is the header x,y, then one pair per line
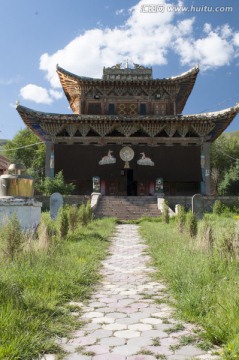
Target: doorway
x,y
131,184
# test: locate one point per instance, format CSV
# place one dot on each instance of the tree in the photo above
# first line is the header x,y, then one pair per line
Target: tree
x,y
33,157
57,184
230,183
224,152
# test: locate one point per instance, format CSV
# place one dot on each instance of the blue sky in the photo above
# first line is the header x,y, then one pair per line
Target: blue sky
x,y
84,36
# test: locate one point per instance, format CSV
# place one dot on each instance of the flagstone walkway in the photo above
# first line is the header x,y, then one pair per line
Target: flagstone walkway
x,y
128,317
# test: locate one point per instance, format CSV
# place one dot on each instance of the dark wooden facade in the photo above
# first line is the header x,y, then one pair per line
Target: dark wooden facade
x,y
183,175
128,108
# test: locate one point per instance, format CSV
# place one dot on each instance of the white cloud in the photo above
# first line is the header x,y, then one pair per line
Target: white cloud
x,y
210,52
207,28
39,94
216,48
226,31
144,38
119,12
236,39
10,81
185,27
56,94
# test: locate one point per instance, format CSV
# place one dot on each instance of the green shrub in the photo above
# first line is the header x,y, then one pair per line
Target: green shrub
x,y
205,238
218,207
85,214
165,212
73,217
13,237
230,183
63,222
56,184
191,224
226,234
46,231
89,211
181,218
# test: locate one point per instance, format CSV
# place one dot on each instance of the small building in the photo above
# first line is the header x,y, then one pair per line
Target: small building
x,y
4,164
128,134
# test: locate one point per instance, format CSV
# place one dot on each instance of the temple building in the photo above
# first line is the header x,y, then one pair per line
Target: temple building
x,y
127,134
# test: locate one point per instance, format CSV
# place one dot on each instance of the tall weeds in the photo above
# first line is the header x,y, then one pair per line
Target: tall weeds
x,y
63,222
191,224
165,213
44,273
73,215
181,218
203,275
85,214
12,238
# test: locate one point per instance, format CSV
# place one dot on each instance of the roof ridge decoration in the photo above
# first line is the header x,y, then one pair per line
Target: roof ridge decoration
x,y
116,72
75,87
232,109
193,71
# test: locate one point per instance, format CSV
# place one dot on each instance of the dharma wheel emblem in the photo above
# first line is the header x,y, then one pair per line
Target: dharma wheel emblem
x,y
126,154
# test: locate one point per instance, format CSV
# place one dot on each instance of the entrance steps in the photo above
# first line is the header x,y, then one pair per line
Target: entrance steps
x,y
127,207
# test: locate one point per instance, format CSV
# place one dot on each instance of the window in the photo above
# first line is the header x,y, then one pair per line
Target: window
x,y
94,108
142,109
111,109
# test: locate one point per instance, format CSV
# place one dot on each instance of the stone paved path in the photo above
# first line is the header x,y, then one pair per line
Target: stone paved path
x,y
128,317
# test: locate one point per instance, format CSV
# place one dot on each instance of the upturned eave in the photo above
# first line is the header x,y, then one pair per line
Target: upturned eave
x,y
207,126
73,84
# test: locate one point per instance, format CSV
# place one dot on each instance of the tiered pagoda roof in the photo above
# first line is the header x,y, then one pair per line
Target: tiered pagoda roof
x,y
137,84
181,129
74,86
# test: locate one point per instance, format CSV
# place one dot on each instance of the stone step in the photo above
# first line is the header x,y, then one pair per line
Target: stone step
x,y
123,207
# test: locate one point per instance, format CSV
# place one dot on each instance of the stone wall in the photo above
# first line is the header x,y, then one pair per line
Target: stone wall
x,y
68,200
27,210
186,201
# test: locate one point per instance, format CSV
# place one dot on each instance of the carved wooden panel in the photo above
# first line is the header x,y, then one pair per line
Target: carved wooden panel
x,y
142,188
71,129
152,129
112,188
94,109
170,129
183,130
83,129
159,109
132,109
121,109
127,109
203,129
102,129
52,128
127,129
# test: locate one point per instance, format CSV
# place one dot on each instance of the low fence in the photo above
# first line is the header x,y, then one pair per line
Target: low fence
x,y
186,201
68,200
208,201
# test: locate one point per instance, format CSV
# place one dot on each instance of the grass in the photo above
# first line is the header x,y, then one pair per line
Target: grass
x,y
156,341
175,328
202,277
36,287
